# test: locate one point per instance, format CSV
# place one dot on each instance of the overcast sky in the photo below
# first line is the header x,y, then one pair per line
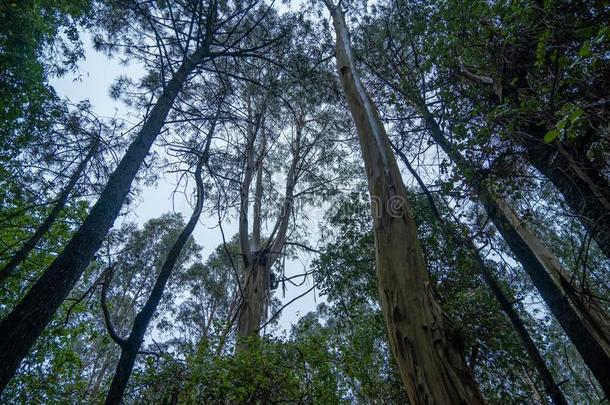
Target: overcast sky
x,y
92,82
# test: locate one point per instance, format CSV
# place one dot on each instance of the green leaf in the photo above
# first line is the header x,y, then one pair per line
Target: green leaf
x,y
551,135
585,51
575,115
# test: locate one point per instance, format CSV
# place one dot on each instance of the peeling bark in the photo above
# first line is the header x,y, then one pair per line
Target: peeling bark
x,y
578,313
428,354
551,387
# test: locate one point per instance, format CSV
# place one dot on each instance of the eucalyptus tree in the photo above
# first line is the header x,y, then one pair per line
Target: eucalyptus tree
x,y
176,38
460,235
545,92
407,72
131,345
345,273
292,135
428,357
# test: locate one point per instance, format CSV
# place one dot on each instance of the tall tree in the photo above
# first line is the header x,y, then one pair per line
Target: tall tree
x,y
460,235
204,38
131,345
579,314
428,357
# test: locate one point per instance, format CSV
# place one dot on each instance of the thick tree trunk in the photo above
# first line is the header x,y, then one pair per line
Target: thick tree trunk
x,y
10,267
131,346
579,315
428,355
252,310
584,189
551,387
21,328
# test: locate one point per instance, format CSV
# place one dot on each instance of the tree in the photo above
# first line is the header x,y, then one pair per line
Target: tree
x,y
579,314
438,373
8,269
197,46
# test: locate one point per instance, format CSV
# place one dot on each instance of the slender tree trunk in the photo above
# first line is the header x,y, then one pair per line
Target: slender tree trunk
x,y
428,355
131,346
10,267
256,285
578,314
584,189
21,328
551,387
583,325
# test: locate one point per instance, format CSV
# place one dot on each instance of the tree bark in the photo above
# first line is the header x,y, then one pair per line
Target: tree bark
x,y
21,328
251,312
10,267
551,387
583,188
579,315
131,345
428,355
257,280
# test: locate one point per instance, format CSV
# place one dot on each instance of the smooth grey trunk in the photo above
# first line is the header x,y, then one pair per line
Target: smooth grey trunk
x,y
10,267
21,328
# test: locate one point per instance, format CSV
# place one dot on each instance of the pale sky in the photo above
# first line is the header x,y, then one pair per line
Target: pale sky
x,y
92,82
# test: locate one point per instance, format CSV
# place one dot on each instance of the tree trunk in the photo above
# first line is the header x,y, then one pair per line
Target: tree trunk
x,y
131,346
256,290
21,328
44,227
583,324
252,310
428,355
584,189
551,387
578,315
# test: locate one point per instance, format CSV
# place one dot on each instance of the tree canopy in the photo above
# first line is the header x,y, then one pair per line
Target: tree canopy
x,y
388,202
